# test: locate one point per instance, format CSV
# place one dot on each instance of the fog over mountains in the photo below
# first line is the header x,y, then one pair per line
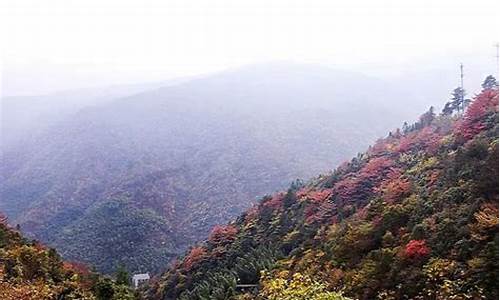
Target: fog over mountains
x,y
136,174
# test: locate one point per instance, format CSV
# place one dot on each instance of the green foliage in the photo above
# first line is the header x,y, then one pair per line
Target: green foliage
x,y
122,275
116,233
490,82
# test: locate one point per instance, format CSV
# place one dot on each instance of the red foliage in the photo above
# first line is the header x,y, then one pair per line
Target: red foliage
x,y
318,211
223,234
473,121
319,196
394,187
318,208
275,202
380,147
252,213
416,249
347,188
375,167
301,193
309,214
354,188
196,255
425,139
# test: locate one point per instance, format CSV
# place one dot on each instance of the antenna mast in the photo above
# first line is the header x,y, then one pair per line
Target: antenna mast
x,y
462,92
497,57
461,76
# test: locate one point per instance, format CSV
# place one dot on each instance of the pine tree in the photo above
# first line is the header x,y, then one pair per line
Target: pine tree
x,y
427,118
490,83
458,102
122,276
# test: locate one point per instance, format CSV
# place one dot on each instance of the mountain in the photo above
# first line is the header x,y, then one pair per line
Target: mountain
x,y
30,270
138,179
24,117
414,217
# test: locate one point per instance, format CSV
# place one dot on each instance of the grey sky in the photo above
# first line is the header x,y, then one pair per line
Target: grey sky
x,y
54,45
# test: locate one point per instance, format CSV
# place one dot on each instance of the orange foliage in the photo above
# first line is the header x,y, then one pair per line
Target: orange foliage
x,y
76,267
223,234
196,255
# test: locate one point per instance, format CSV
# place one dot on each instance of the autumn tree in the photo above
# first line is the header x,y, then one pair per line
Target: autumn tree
x,y
196,255
416,249
475,118
295,287
223,234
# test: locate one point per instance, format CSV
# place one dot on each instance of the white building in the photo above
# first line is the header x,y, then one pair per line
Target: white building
x,y
139,279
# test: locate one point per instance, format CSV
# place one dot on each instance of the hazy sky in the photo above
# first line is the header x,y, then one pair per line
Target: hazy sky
x,y
51,45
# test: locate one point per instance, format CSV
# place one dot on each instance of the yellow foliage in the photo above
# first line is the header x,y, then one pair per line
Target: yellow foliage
x,y
486,220
286,286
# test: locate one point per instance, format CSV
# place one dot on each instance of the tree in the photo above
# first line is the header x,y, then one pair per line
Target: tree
x,y
475,119
295,287
104,289
122,275
196,255
223,234
427,118
457,102
406,127
416,249
490,83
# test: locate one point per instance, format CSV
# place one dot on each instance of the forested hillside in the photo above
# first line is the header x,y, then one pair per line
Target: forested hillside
x,y
31,271
136,180
414,217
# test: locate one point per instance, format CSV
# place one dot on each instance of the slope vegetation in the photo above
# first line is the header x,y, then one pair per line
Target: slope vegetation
x,y
415,217
31,271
